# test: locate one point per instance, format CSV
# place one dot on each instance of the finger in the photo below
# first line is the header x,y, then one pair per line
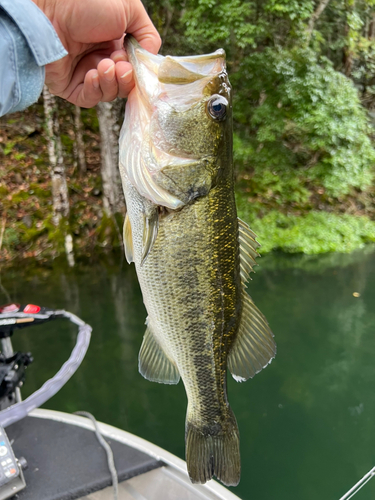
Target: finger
x,y
125,79
119,55
108,80
88,93
141,27
74,72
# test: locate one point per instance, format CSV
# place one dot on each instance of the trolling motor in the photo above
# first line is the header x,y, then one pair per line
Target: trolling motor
x,y
12,376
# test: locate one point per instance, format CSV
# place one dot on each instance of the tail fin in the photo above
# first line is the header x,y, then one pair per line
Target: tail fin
x,y
214,451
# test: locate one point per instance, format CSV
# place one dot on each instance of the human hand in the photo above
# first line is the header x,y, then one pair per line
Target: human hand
x,y
92,32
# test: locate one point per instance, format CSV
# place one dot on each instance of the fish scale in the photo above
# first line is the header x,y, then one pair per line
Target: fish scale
x,y
193,327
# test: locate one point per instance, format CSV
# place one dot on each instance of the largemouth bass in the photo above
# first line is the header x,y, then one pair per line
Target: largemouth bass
x,y
192,255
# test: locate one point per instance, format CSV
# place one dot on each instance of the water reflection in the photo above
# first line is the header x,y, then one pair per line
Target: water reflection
x,y
306,422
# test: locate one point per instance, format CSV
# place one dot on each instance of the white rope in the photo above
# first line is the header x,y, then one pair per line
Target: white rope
x,y
108,450
366,478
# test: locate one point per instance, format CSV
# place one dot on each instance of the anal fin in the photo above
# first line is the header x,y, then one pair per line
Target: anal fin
x,y
153,363
254,347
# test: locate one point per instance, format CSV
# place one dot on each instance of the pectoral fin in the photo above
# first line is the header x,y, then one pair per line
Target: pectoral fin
x,y
128,240
254,347
153,363
150,232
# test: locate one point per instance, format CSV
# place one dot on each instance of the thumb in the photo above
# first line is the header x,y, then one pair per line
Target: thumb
x,y
140,26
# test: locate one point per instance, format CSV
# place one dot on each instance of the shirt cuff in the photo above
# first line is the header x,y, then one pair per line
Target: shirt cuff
x,y
21,79
41,36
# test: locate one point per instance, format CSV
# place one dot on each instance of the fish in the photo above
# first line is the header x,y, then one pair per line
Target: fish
x,y
192,254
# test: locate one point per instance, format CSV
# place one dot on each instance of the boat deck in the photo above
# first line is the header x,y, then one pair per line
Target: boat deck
x,y
66,462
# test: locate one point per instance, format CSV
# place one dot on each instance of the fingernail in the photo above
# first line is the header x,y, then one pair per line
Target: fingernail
x,y
95,81
126,76
110,73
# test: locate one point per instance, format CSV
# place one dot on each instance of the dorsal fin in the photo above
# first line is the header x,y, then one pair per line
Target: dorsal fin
x,y
248,250
153,363
172,71
128,240
254,347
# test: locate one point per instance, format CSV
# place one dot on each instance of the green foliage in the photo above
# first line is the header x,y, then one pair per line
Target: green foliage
x,y
308,121
19,156
216,22
67,143
279,187
40,191
57,234
315,263
296,116
20,196
303,146
313,233
245,25
9,147
109,231
90,119
11,237
293,9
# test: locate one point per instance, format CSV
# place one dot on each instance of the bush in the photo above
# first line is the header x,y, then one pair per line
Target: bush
x,y
314,233
307,122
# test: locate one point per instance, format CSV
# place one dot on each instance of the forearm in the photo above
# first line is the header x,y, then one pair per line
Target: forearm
x,y
27,43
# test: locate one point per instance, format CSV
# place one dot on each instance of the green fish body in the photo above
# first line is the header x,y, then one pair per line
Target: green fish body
x,y
192,255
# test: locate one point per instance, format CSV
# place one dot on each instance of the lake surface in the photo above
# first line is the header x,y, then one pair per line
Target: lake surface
x,y
306,422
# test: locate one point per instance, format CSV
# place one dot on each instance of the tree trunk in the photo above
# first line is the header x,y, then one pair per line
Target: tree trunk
x,y
371,31
60,196
318,12
79,144
169,11
348,55
113,198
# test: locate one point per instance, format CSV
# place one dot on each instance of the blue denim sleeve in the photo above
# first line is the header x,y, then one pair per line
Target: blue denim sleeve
x,y
28,42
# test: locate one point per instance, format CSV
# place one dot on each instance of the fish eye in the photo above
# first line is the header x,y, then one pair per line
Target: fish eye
x,y
217,107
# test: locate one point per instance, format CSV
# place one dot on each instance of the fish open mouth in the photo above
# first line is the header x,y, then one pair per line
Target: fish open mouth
x,y
170,70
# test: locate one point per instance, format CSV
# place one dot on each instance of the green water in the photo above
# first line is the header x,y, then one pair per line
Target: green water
x,y
306,422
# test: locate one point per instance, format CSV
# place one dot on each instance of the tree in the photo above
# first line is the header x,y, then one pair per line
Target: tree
x,y
60,195
113,198
79,146
296,115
